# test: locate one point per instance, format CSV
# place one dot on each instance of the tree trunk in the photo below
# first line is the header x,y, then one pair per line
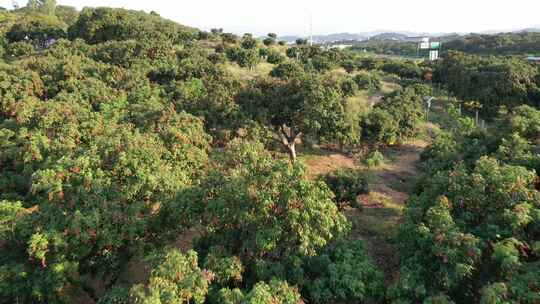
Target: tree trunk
x,y
288,139
291,148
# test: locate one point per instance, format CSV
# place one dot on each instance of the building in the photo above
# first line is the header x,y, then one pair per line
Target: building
x,y
534,59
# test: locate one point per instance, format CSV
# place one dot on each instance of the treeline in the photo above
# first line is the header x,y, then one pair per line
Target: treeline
x,y
502,44
388,47
497,83
38,26
472,231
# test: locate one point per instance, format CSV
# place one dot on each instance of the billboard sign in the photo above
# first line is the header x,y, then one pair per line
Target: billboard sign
x,y
435,45
433,55
424,45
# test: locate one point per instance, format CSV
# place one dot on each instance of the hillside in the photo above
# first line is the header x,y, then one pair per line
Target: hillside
x,y
517,43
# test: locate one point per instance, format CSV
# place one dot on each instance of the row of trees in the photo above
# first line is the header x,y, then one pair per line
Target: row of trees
x,y
495,82
500,44
471,234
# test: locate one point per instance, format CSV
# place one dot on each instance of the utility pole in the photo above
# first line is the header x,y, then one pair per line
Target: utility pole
x,y
311,30
428,101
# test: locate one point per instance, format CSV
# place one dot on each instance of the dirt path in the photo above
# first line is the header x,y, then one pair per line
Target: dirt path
x,y
377,222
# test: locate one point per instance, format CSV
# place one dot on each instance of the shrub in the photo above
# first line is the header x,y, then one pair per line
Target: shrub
x,y
380,128
348,87
374,159
367,81
275,292
21,48
349,66
36,31
275,57
343,274
347,184
175,278
287,70
269,41
293,52
405,69
116,295
216,58
263,52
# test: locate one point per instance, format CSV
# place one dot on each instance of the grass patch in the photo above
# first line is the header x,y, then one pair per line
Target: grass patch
x,y
262,69
380,222
389,87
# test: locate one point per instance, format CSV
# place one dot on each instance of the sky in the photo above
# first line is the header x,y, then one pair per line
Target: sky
x,y
337,16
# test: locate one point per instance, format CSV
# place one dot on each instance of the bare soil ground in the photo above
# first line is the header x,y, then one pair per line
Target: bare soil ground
x,y
377,221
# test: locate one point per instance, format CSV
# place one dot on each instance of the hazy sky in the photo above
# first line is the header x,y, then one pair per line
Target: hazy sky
x,y
292,16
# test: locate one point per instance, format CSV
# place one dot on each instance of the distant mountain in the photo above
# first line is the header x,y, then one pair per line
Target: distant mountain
x,y
339,37
377,34
389,35
328,38
531,30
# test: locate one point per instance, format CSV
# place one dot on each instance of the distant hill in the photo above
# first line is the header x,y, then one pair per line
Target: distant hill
x,y
389,35
328,38
513,43
531,30
362,36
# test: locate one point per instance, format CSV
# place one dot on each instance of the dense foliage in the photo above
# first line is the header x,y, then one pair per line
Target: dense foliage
x,y
347,184
388,47
395,119
471,234
143,161
118,141
495,82
499,44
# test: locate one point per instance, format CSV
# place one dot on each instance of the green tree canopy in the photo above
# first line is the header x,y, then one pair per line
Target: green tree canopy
x,y
303,105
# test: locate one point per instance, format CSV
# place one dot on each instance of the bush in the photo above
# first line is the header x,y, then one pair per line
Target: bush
x,y
36,31
348,87
287,70
275,57
321,63
374,159
263,52
17,49
405,69
349,66
116,295
269,41
216,58
343,274
368,81
347,184
275,292
380,128
292,52
175,278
